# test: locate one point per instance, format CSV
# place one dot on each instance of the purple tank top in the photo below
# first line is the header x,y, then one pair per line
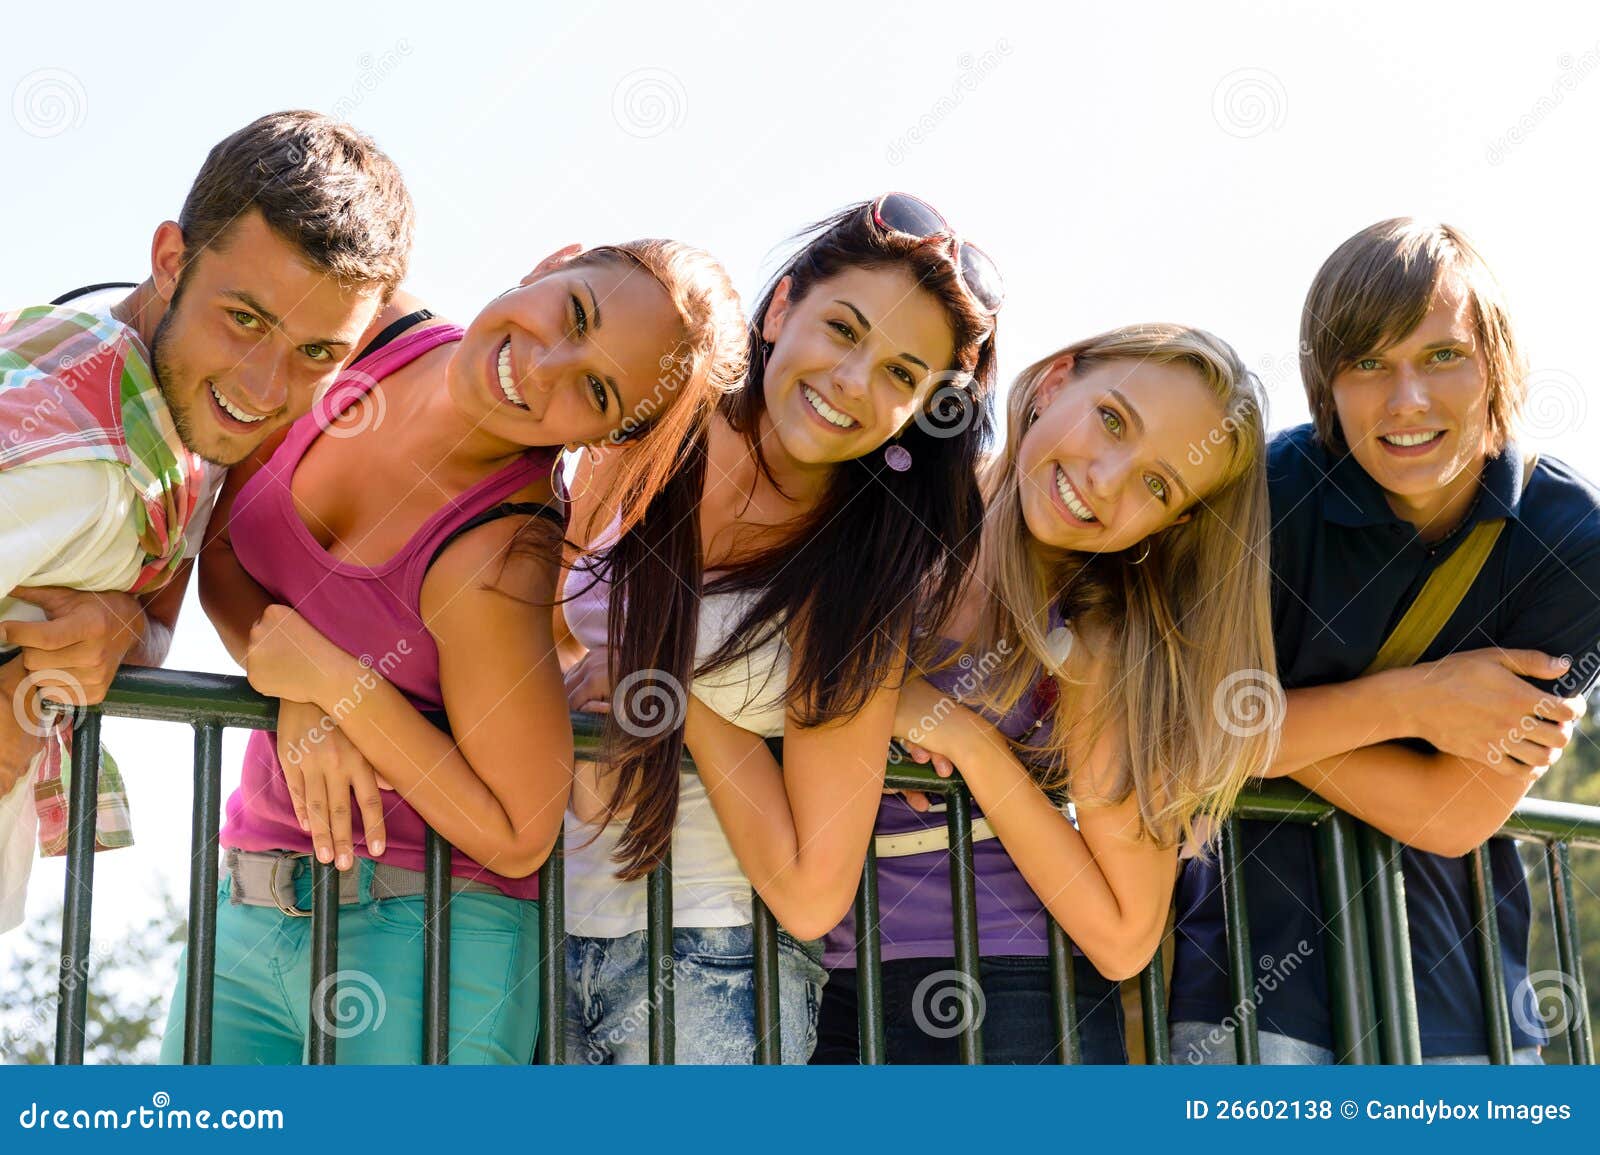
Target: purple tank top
x,y
914,910
373,612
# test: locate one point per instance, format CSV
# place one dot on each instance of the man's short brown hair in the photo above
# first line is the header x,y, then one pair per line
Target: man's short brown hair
x,y
1376,289
319,184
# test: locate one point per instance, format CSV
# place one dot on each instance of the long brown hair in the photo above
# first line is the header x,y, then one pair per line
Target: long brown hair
x,y
1191,622
915,533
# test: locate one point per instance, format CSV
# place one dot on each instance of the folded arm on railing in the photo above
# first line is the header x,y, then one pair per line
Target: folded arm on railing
x,y
1435,802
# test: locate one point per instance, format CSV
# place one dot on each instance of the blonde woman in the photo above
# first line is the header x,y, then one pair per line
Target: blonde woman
x,y
1122,583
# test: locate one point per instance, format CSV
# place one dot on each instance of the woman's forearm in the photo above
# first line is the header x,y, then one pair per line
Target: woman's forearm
x,y
429,770
1114,917
804,859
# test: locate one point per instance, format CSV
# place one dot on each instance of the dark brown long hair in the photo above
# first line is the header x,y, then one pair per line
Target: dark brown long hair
x,y
915,533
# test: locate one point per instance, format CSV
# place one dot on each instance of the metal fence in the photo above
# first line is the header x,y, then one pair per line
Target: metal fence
x,y
1363,886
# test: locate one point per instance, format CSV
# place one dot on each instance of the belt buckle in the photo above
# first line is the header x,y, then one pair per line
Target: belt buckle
x,y
272,882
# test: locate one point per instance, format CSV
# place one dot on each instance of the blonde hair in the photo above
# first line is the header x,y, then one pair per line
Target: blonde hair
x,y
1376,288
1189,625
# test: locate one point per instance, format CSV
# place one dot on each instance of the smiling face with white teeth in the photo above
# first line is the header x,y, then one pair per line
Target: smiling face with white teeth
x,y
852,362
1108,462
1416,412
250,335
568,356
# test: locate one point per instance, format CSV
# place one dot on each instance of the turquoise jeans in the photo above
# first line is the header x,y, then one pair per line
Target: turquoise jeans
x,y
262,1001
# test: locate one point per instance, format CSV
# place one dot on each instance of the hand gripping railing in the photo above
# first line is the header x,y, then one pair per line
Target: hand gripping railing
x,y
1360,874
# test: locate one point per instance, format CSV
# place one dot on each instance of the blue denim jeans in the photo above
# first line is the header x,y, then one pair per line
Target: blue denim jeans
x,y
262,998
924,1000
1212,1044
713,997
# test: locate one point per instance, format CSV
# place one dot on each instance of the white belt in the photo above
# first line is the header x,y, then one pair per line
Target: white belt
x,y
922,841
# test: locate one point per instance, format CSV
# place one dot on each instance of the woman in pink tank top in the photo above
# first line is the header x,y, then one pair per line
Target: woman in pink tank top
x,y
385,569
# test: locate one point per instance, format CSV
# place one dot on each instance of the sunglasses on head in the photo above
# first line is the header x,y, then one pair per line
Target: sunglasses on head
x,y
899,212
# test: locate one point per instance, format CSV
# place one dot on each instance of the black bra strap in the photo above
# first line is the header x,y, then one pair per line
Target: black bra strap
x,y
66,298
393,330
495,513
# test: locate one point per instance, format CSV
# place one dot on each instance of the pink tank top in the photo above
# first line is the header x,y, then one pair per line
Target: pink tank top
x,y
373,612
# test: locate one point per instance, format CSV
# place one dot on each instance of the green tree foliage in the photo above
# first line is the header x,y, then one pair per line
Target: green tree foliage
x,y
130,981
1575,778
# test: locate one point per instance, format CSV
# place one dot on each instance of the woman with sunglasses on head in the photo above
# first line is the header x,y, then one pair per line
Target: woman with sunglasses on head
x,y
824,514
387,570
1121,587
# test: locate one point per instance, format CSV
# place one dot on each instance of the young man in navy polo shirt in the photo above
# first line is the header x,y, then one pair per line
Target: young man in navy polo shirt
x,y
1415,385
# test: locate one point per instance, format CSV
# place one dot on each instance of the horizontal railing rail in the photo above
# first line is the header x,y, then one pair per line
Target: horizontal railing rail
x,y
1373,1002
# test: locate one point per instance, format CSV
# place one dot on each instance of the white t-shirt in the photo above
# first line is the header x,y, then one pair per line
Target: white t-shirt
x,y
709,888
72,524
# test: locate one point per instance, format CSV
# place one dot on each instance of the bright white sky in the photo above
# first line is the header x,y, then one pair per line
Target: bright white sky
x,y
1122,163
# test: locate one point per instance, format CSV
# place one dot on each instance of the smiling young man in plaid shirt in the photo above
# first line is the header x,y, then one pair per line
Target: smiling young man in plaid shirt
x,y
117,425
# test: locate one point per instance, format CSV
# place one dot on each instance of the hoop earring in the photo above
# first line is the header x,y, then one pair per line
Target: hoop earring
x,y
559,485
1143,555
1034,415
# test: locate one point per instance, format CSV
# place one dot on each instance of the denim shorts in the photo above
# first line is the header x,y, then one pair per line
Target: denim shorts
x,y
1212,1044
261,1001
713,997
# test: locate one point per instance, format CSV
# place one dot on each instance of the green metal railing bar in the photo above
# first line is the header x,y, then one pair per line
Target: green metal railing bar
x,y
1367,944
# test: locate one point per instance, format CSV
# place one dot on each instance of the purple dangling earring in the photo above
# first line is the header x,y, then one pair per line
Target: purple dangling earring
x,y
897,457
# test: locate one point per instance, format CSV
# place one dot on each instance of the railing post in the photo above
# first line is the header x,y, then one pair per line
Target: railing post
x,y
436,950
322,1043
964,916
553,964
658,942
1241,967
1153,1000
1491,968
1064,995
1349,974
200,976
869,966
764,933
1569,954
1391,942
77,903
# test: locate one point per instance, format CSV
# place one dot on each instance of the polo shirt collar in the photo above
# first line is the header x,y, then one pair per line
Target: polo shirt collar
x,y
1352,498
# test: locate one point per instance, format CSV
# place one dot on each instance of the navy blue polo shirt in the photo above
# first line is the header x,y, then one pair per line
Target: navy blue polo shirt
x,y
1345,570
